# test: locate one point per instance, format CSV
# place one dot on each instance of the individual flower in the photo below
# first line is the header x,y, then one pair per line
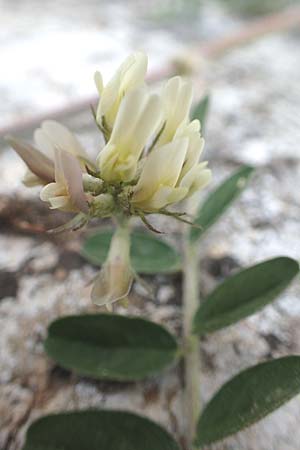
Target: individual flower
x,y
138,118
172,172
116,276
40,157
156,187
130,75
161,182
66,192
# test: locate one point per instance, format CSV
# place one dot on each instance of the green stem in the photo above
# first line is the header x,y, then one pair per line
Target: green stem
x,y
192,393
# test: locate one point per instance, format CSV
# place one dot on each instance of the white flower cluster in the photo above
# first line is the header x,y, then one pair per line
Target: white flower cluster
x,y
150,160
151,155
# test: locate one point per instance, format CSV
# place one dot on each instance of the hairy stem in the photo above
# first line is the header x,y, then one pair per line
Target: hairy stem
x,y
192,394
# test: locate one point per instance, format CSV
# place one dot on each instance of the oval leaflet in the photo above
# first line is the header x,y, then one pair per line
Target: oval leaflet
x,y
110,346
95,430
247,398
244,293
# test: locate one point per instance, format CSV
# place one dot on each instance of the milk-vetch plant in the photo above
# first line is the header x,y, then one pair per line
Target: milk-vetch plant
x,y
149,163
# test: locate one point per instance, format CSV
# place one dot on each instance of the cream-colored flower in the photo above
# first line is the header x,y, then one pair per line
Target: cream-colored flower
x,y
137,120
130,75
66,192
157,185
177,97
40,158
116,276
172,171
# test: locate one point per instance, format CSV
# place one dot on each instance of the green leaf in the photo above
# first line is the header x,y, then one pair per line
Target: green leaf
x,y
200,111
149,254
97,430
109,346
244,294
219,200
247,398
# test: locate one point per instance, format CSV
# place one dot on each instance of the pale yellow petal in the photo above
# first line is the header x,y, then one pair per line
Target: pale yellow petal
x,y
110,93
62,202
165,196
107,159
30,179
177,98
108,104
57,196
52,190
195,148
162,168
130,75
148,123
135,74
62,138
196,179
43,143
128,114
185,129
138,118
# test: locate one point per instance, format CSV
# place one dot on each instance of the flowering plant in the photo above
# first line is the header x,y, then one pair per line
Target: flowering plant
x,y
148,164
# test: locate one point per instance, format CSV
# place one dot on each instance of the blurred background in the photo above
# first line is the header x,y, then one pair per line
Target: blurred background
x,y
49,53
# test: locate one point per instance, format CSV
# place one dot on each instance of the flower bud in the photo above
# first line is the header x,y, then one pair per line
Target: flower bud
x,y
130,75
92,184
102,205
51,136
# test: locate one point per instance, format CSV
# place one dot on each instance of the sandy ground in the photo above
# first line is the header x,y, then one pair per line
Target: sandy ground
x,y
254,119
